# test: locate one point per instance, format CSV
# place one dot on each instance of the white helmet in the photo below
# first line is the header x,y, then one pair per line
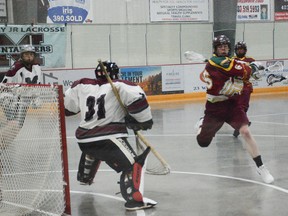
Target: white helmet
x,y
27,48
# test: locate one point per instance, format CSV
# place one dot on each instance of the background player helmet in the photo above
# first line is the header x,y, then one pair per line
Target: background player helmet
x,y
219,40
27,48
111,68
240,45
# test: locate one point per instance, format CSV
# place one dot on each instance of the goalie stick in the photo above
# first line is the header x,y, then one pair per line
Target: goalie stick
x,y
137,133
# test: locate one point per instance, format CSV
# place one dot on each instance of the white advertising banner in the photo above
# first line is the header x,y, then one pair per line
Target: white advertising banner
x,y
253,10
179,10
192,80
49,42
3,8
172,79
67,77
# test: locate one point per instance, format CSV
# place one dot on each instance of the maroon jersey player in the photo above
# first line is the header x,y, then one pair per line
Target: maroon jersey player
x,y
240,55
222,106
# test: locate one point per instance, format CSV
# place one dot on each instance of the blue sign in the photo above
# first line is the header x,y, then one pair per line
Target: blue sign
x,y
67,14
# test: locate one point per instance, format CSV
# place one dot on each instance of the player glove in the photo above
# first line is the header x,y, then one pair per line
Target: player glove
x,y
134,125
258,70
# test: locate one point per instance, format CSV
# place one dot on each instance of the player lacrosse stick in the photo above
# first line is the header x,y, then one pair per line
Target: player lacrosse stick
x,y
192,56
274,78
137,133
276,67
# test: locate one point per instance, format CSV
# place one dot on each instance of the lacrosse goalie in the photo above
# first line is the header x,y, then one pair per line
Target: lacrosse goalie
x,y
102,133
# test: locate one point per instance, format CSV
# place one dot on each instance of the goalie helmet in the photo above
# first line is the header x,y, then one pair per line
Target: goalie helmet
x,y
220,40
27,48
111,68
240,45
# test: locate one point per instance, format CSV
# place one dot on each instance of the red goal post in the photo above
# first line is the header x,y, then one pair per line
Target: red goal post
x,y
34,178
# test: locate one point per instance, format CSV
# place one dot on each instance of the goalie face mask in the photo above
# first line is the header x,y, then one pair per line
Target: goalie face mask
x,y
27,54
111,68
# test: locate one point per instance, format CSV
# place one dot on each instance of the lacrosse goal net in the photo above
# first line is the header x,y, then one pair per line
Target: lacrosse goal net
x,y
33,154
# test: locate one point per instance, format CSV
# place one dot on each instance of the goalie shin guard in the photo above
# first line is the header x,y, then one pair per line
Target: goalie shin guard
x,y
87,169
130,180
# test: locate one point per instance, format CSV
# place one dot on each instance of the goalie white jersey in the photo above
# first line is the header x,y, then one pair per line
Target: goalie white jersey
x,y
20,74
101,114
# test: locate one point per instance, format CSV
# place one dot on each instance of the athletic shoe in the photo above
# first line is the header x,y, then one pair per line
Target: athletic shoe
x,y
265,174
236,133
198,125
133,205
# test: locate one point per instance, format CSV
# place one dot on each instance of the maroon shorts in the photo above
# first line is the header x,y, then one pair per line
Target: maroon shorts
x,y
216,114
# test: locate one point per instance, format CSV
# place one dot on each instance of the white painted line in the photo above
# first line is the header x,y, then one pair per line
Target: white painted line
x,y
233,178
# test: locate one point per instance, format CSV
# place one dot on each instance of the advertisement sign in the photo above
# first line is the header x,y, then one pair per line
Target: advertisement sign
x,y
49,42
179,10
70,11
172,79
281,10
66,77
252,10
159,80
3,11
149,78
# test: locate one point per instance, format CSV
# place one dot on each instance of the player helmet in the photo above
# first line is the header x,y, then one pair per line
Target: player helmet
x,y
219,40
240,45
111,68
27,48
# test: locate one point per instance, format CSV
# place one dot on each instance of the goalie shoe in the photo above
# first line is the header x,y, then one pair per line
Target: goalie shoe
x,y
147,203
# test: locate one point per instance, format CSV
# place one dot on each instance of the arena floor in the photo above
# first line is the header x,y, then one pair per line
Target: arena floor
x,y
220,180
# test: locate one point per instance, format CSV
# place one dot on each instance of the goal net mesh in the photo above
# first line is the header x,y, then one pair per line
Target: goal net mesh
x,y
31,153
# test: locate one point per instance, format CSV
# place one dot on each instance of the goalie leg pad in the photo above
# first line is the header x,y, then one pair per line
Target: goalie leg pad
x,y
130,180
87,169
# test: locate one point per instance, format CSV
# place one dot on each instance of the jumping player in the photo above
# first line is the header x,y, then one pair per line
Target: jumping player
x,y
222,103
102,133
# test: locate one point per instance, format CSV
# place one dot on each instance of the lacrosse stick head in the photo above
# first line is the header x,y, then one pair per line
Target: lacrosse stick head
x,y
274,78
276,67
192,56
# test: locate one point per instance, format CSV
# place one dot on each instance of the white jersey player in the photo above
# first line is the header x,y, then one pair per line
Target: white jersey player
x,y
25,70
102,132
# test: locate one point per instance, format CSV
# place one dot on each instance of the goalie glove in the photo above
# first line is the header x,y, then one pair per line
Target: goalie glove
x,y
134,125
258,70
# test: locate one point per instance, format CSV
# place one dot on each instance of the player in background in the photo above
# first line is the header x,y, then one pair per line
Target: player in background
x,y
222,103
26,70
102,133
240,54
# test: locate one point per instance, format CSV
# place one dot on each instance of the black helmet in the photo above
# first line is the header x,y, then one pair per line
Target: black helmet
x,y
240,45
219,40
111,68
